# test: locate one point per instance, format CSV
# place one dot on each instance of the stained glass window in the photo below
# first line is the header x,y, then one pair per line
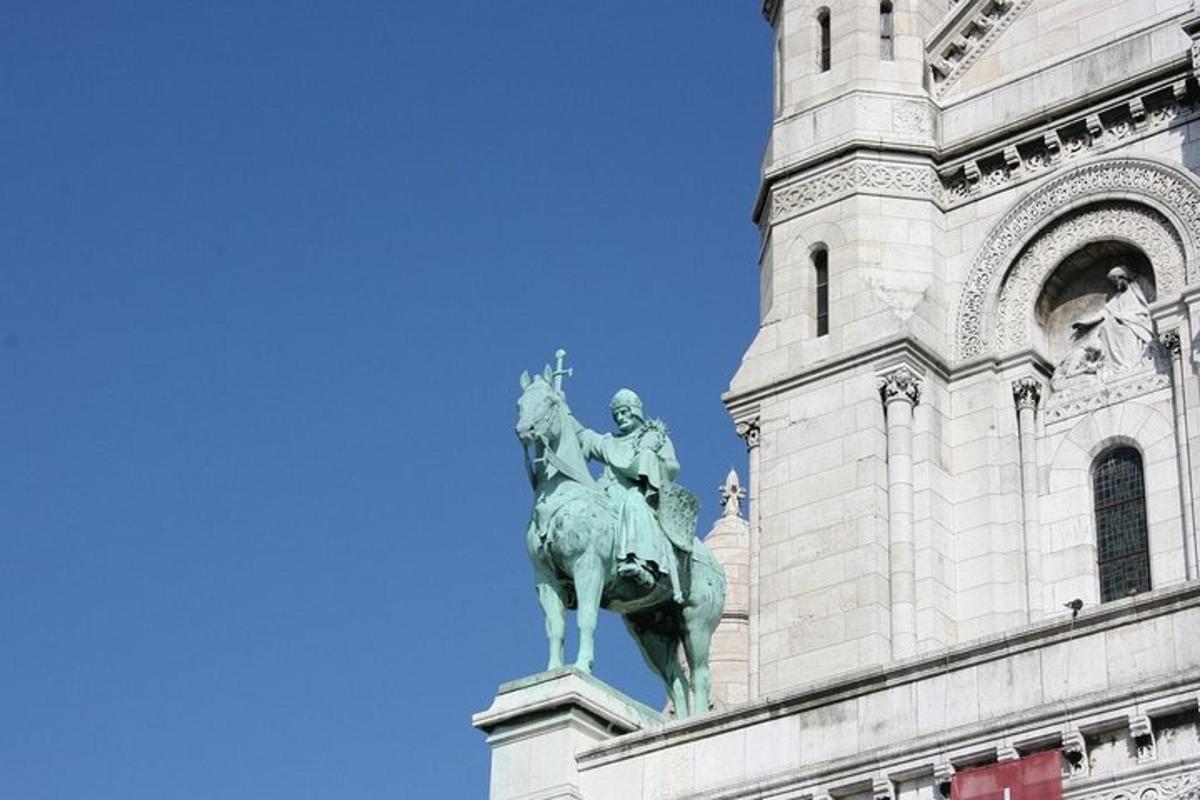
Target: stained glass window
x,y
886,31
1122,541
824,47
820,258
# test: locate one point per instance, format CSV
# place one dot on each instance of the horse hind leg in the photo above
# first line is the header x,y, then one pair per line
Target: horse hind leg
x,y
661,652
550,598
700,621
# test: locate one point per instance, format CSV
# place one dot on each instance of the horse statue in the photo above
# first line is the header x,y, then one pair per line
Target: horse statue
x,y
573,538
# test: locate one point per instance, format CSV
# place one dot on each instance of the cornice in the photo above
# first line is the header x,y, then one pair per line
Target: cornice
x,y
1099,619
1023,151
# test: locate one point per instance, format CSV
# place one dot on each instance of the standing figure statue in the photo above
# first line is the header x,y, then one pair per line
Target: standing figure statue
x,y
626,542
1122,330
639,463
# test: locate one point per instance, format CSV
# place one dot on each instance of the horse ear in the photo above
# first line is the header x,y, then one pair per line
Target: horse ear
x,y
525,380
547,375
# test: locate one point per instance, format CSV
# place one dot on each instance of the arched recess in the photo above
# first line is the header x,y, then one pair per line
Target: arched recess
x,y
1067,512
1145,231
1172,194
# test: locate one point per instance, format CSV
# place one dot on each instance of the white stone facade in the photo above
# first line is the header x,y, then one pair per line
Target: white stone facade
x,y
922,502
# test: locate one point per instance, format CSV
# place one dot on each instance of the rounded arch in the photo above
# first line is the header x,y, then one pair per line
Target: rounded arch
x,y
1134,224
1165,190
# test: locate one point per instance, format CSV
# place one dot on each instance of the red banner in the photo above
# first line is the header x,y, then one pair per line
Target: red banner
x,y
1035,777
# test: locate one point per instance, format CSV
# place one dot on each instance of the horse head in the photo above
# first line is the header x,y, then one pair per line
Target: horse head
x,y
539,417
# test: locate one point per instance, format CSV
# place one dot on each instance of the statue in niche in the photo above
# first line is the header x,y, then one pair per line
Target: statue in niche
x,y
1116,340
625,542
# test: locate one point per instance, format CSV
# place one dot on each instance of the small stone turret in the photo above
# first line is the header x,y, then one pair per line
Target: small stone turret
x,y
729,658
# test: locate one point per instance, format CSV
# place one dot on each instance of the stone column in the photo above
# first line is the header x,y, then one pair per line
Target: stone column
x,y
748,429
536,725
901,389
1027,392
1171,340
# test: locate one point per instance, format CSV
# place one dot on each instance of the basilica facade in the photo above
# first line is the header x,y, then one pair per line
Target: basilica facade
x,y
972,416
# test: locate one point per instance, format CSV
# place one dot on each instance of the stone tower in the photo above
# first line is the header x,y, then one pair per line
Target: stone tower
x,y
972,413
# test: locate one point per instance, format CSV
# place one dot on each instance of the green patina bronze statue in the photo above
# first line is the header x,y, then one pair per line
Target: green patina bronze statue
x,y
625,541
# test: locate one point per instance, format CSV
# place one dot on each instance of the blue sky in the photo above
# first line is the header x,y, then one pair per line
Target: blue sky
x,y
268,275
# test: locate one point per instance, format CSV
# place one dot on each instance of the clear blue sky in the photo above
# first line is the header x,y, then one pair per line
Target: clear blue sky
x,y
268,275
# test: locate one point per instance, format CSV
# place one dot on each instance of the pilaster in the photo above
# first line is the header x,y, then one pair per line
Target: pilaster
x,y
900,389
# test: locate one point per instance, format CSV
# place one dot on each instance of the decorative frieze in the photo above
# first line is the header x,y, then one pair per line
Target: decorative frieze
x,y
1063,405
992,171
1103,130
854,177
1174,787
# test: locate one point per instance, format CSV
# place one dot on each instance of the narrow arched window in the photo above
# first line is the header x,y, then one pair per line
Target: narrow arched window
x,y
823,46
1122,540
778,74
820,260
886,31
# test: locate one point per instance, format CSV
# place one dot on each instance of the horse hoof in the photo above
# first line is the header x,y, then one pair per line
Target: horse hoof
x,y
586,669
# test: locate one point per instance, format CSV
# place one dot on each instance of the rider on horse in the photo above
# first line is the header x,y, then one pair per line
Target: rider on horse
x,y
639,460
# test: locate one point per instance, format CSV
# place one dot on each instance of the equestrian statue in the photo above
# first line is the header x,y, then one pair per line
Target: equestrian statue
x,y
624,541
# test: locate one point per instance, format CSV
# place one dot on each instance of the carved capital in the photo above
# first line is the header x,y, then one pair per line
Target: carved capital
x,y
881,788
1171,341
1027,392
900,384
748,429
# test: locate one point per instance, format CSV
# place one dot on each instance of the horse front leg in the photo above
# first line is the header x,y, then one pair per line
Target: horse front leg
x,y
589,582
555,612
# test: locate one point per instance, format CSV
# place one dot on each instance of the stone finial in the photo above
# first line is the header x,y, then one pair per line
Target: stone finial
x,y
1027,392
1171,341
732,494
748,429
900,383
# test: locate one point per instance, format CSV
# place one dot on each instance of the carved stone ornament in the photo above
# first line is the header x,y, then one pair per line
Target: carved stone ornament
x,y
900,384
1075,751
1143,227
854,177
1176,787
748,429
1171,341
1027,392
957,56
1069,403
1161,185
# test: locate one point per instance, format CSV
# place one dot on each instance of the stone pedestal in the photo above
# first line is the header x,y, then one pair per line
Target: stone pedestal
x,y
536,725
